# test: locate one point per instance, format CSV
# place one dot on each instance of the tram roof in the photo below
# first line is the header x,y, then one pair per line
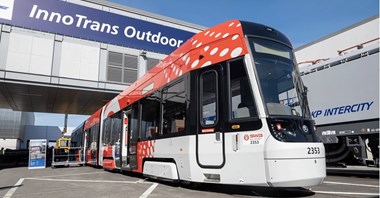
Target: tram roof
x,y
93,119
216,44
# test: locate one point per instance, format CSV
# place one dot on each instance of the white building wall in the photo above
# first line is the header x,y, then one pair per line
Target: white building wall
x,y
29,52
328,47
12,127
79,59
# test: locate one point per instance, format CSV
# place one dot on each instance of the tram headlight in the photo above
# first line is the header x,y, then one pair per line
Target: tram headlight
x,y
292,130
278,131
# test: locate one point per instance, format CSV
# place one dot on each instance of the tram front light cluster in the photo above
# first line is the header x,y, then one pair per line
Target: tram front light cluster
x,y
278,131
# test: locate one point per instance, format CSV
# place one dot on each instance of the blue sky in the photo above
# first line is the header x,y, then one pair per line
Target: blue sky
x,y
303,21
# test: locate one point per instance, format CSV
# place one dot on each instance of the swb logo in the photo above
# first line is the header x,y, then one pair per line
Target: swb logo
x,y
6,9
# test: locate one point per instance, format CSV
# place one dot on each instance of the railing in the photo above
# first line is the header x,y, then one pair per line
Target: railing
x,y
67,156
359,46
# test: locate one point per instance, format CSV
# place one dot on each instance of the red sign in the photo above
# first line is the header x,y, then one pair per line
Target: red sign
x,y
210,130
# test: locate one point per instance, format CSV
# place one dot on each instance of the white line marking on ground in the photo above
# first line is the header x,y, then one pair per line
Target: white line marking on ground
x,y
150,190
13,189
347,193
350,184
88,181
71,174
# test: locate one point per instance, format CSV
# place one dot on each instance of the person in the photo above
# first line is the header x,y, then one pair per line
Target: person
x,y
2,151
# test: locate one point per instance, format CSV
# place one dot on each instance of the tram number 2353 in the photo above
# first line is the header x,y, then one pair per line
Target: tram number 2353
x,y
313,150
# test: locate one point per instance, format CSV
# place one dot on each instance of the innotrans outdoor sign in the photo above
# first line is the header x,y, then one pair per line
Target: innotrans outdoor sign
x,y
78,21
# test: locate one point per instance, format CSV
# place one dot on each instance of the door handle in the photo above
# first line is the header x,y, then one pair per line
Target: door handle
x,y
217,136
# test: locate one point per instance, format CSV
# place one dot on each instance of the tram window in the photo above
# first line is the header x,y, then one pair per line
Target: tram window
x,y
134,124
116,129
174,108
150,116
88,138
209,98
94,135
106,139
95,130
241,99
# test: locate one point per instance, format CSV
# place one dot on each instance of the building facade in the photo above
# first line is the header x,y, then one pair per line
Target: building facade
x,y
12,127
73,56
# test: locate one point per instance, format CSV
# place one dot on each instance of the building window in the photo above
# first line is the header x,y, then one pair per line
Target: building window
x,y
150,63
122,68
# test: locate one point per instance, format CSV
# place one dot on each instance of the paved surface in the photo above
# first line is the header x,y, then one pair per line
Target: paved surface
x,y
93,182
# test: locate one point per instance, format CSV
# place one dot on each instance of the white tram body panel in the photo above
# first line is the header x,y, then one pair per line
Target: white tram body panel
x,y
258,160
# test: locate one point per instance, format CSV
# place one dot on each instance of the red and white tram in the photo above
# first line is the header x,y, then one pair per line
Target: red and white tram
x,y
228,106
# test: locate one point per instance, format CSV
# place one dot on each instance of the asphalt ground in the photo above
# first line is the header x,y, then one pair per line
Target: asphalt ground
x,y
94,182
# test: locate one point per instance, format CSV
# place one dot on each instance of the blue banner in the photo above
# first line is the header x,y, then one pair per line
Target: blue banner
x,y
78,21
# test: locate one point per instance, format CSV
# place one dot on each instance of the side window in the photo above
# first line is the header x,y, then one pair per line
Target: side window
x,y
106,136
241,99
150,116
88,138
95,130
208,87
116,129
174,108
94,135
134,128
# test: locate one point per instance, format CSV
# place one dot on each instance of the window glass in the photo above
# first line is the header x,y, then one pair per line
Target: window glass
x,y
150,116
130,61
241,99
130,76
122,67
93,136
114,74
209,98
106,139
64,143
88,138
116,129
150,63
134,123
174,108
278,77
95,133
115,59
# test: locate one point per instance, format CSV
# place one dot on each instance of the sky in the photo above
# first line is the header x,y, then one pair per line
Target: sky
x,y
303,21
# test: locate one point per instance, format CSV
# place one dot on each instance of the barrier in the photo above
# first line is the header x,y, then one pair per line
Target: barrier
x,y
67,156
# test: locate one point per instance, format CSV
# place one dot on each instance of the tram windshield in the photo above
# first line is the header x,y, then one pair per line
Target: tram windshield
x,y
280,82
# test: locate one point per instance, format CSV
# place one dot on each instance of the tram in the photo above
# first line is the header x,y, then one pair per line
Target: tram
x,y
228,107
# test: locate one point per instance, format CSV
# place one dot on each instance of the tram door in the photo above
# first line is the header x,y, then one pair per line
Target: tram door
x,y
210,137
130,138
125,140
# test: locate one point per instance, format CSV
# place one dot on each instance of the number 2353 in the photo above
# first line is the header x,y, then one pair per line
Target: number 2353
x,y
313,150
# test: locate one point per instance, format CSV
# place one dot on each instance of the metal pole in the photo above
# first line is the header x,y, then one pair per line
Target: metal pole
x,y
65,124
